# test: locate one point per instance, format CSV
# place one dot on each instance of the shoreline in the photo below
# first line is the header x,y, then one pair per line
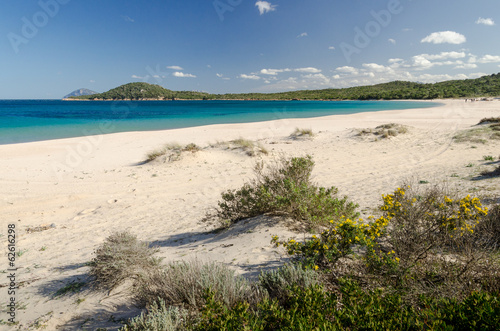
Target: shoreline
x,y
66,196
109,126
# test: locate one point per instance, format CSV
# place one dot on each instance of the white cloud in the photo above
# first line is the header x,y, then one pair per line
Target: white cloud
x,y
449,37
489,59
444,56
128,19
310,70
485,21
347,70
317,77
254,77
466,66
92,81
175,68
222,76
396,60
183,75
265,7
137,77
331,48
303,34
273,72
392,41
376,67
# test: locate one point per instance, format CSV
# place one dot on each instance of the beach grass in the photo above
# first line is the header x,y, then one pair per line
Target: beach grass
x,y
301,133
384,131
249,147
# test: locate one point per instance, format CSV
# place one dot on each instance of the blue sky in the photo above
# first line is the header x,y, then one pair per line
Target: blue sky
x,y
49,48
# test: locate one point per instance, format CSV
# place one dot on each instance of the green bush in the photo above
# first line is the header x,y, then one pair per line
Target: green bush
x,y
278,283
352,309
333,244
159,317
185,283
430,245
285,189
122,257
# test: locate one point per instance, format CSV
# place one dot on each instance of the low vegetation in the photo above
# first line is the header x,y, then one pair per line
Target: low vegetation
x,y
302,133
397,90
171,152
487,129
430,260
284,189
384,131
249,147
120,258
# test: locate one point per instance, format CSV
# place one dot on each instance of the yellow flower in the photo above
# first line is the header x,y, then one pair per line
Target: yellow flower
x,y
316,267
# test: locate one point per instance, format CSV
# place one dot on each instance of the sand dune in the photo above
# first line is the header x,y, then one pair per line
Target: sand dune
x,y
66,196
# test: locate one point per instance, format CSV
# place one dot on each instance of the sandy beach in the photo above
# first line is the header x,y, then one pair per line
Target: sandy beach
x,y
66,196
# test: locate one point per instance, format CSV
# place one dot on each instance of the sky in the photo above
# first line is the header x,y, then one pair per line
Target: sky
x,y
49,48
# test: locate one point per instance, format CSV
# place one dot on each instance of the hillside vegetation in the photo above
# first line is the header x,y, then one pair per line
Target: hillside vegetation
x,y
485,86
143,91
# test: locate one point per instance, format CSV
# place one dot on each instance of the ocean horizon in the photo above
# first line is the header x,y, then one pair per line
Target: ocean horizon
x,y
38,120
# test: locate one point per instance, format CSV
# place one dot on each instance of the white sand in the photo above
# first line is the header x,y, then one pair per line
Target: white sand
x,y
90,187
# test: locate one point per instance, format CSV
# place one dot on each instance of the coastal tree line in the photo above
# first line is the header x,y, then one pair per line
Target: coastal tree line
x,y
486,86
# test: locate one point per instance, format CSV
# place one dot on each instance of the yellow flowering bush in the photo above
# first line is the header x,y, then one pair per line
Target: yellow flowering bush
x,y
334,243
420,228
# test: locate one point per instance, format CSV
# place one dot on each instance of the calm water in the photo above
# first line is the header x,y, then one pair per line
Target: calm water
x,y
35,120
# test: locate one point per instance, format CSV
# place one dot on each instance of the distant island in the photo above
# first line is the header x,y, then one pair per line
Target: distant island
x,y
486,86
80,92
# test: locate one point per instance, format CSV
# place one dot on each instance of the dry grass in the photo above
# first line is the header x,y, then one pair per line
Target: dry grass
x,y
278,282
249,147
488,129
489,120
301,133
479,135
186,284
121,257
171,152
159,317
384,131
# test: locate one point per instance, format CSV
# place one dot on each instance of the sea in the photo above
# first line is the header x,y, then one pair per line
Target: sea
x,y
37,120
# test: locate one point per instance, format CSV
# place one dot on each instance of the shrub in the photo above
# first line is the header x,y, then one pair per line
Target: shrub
x,y
278,283
385,130
171,152
354,309
489,120
333,244
185,283
488,158
284,190
305,309
159,317
121,257
488,230
493,173
250,147
298,133
431,239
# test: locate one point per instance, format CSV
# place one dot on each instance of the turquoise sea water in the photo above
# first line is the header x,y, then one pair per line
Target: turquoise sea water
x,y
36,120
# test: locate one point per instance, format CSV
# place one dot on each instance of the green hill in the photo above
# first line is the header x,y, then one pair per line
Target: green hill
x,y
142,91
486,86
